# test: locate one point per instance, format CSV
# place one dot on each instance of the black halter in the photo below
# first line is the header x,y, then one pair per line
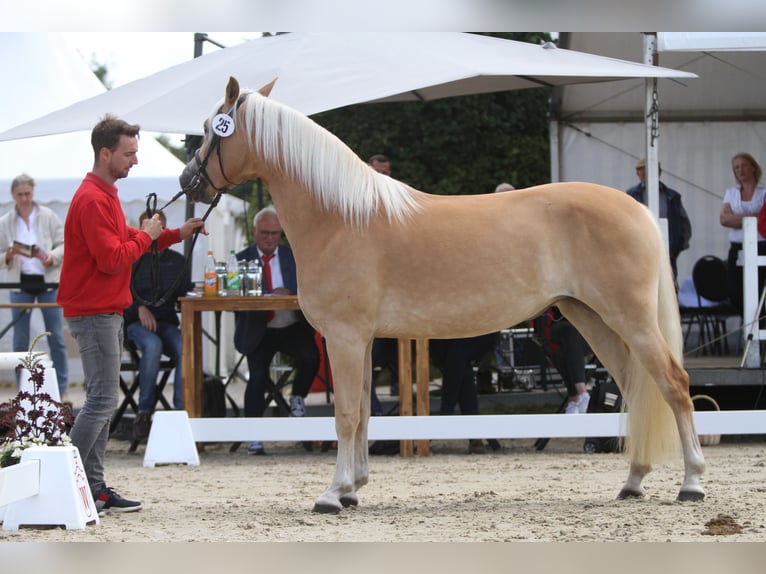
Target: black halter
x,y
215,145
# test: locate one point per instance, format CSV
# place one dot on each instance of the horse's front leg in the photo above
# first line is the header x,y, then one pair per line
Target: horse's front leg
x,y
361,447
347,364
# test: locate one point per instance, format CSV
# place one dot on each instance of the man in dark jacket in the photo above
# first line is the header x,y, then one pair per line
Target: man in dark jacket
x,y
152,326
259,335
671,208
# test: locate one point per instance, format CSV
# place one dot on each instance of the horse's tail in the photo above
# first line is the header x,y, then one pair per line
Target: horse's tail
x,y
652,429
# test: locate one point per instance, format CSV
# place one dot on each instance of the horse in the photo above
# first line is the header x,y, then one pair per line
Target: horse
x,y
378,258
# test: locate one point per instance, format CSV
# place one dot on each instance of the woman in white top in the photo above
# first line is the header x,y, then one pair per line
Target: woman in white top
x,y
32,237
743,200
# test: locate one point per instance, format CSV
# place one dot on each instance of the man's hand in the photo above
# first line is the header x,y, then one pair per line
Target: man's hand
x,y
152,226
146,317
191,225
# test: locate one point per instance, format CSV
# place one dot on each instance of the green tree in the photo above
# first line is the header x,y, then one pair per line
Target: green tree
x,y
461,145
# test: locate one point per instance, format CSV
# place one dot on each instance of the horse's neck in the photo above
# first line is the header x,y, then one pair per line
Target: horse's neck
x,y
305,222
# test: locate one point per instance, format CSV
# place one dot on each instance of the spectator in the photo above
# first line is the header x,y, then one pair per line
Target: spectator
x,y
671,208
95,289
152,325
743,200
259,335
504,187
569,356
455,358
33,239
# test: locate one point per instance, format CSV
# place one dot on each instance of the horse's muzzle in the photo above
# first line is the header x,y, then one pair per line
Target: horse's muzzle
x,y
194,185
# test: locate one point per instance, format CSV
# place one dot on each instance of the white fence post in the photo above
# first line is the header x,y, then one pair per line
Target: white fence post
x,y
751,261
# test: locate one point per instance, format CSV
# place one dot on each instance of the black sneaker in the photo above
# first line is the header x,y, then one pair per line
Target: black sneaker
x,y
109,501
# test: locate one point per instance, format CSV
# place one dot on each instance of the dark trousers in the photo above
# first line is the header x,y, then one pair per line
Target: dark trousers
x,y
298,342
569,356
455,358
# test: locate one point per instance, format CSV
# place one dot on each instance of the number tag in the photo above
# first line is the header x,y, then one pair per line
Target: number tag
x,y
223,125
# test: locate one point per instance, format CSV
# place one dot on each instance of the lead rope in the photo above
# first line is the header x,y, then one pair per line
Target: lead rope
x,y
151,209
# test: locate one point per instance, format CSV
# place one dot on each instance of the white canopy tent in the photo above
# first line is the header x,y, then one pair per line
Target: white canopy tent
x,y
598,132
322,71
48,74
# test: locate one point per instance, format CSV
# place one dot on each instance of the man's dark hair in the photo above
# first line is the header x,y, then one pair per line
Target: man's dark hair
x,y
106,133
378,157
145,215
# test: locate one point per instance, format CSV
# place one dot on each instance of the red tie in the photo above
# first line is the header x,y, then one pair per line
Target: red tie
x,y
267,272
267,278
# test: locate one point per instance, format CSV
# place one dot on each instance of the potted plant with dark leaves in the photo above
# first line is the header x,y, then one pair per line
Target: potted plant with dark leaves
x,y
33,418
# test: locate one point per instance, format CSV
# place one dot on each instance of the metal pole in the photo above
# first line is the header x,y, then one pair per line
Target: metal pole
x,y
651,115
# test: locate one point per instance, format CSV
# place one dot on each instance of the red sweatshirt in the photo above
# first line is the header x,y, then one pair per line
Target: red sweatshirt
x,y
100,250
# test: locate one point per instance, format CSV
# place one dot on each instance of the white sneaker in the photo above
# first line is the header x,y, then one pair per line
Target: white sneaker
x,y
297,406
582,403
571,408
256,447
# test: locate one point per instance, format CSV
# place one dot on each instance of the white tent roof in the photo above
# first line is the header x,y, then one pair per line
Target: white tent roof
x,y
47,74
730,83
710,41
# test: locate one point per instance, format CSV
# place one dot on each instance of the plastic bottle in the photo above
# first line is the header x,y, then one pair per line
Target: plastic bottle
x,y
210,286
232,274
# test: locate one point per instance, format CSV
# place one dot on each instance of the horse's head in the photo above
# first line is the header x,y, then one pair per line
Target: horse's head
x,y
219,163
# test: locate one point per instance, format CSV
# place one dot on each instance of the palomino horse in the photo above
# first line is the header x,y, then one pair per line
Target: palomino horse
x,y
377,258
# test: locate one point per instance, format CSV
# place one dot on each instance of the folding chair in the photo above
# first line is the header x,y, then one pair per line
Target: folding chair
x,y
130,365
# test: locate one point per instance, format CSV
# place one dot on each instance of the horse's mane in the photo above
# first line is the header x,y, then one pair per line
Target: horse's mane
x,y
322,163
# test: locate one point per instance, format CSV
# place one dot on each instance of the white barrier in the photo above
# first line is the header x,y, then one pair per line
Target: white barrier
x,y
185,432
751,261
18,482
57,491
459,427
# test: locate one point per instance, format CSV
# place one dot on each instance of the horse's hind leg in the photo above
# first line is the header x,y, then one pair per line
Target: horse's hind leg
x,y
634,361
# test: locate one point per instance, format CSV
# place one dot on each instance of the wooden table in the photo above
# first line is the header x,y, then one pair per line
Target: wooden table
x,y
191,335
191,361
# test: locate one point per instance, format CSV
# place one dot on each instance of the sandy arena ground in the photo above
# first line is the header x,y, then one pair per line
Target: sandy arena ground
x,y
517,494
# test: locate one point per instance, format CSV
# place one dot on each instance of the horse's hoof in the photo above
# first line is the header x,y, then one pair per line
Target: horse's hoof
x,y
629,493
347,501
690,496
325,508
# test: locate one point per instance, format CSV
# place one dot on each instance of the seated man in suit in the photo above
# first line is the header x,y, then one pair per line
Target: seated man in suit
x,y
259,335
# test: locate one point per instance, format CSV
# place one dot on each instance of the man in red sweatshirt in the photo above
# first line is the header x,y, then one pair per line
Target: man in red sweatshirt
x,y
95,288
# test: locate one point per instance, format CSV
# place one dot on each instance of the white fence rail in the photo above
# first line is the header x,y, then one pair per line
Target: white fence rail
x,y
458,427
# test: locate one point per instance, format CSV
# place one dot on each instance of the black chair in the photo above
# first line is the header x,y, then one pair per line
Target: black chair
x,y
710,282
130,365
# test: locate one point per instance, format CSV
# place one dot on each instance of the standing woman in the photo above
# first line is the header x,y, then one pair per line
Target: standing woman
x,y
743,200
32,237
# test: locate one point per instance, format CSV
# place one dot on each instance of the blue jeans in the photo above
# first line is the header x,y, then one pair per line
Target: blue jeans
x,y
151,346
53,318
99,338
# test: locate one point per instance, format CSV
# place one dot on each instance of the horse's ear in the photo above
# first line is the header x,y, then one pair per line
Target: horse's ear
x,y
266,90
232,92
